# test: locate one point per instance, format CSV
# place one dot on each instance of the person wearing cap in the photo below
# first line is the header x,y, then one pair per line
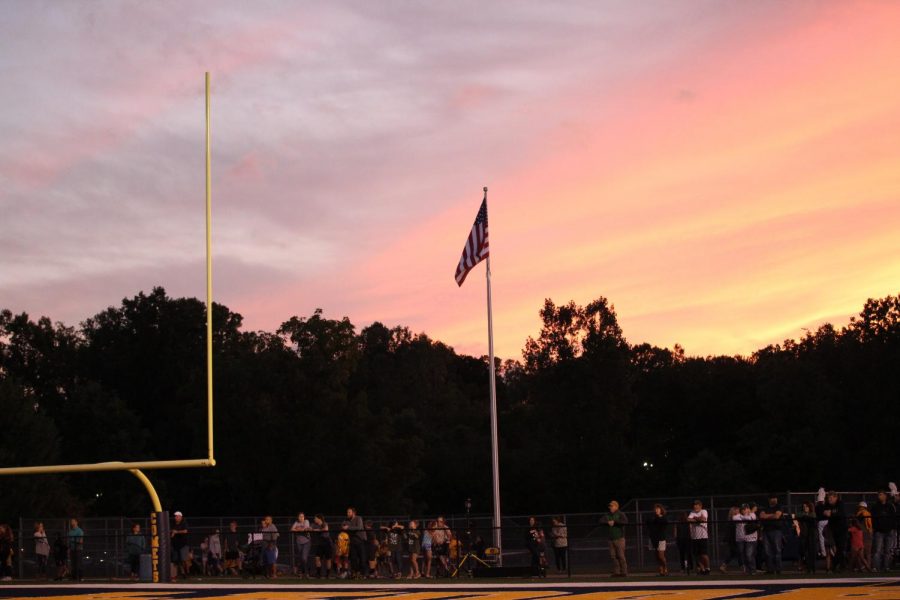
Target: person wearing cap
x,y
883,517
180,549
615,521
865,523
699,520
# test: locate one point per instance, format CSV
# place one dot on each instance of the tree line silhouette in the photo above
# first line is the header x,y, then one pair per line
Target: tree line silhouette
x,y
317,416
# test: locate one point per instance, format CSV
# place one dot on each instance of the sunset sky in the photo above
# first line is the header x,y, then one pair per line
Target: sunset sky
x,y
726,173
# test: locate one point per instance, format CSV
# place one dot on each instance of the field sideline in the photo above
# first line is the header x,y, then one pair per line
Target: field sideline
x,y
880,588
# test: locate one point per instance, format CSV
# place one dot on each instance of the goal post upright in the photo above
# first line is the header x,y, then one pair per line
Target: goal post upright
x,y
160,563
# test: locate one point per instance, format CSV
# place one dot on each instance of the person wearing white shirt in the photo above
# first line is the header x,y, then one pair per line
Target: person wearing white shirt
x,y
699,520
747,537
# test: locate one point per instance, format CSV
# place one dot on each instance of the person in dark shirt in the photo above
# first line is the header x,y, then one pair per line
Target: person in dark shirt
x,y
534,543
809,536
358,561
180,548
683,541
60,556
231,547
657,528
323,547
773,534
884,517
837,524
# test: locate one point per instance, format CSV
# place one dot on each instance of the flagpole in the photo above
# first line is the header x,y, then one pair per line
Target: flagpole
x,y
495,453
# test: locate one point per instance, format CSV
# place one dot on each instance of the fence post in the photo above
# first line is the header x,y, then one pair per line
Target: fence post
x,y
640,533
21,551
568,546
715,530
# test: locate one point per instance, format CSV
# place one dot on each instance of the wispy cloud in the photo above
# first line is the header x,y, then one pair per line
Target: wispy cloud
x,y
725,174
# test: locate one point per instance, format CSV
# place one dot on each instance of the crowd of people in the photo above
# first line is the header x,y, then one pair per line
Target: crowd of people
x,y
354,549
753,537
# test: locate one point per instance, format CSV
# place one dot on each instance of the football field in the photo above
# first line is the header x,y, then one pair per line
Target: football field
x,y
797,589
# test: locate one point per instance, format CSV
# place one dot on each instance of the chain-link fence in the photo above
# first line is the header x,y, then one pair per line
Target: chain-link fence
x,y
584,537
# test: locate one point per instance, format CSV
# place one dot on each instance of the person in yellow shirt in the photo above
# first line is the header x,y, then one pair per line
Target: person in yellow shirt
x,y
342,551
865,523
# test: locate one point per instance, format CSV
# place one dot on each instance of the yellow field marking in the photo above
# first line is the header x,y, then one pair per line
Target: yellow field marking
x,y
110,596
670,594
295,595
833,593
389,595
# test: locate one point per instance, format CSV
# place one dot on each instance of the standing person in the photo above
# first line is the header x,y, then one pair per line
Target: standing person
x,y
615,521
394,538
270,547
809,536
342,551
746,534
699,520
135,545
7,550
181,552
534,543
377,553
76,548
559,534
427,548
837,523
857,560
323,548
440,546
821,520
657,528
773,534
683,541
300,530
357,529
232,549
214,546
41,550
730,539
865,523
414,547
883,519
760,544
60,556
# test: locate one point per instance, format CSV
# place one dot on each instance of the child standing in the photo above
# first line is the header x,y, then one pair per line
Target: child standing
x,y
342,552
60,556
372,545
395,549
414,547
427,548
858,561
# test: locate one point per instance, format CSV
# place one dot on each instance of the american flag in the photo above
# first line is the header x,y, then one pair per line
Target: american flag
x,y
476,249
